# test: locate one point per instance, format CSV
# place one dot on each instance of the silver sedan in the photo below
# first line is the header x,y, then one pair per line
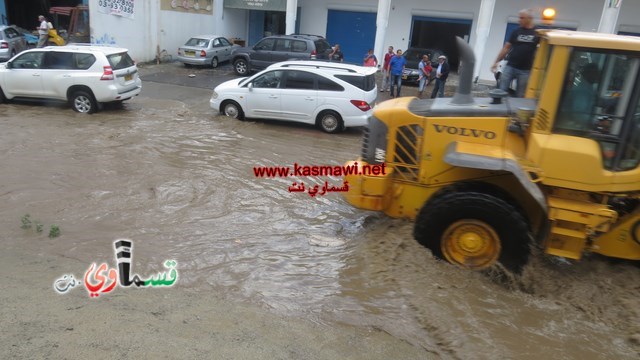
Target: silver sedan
x,y
205,50
11,42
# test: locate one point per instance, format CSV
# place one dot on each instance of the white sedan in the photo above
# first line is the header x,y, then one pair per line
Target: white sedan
x,y
332,96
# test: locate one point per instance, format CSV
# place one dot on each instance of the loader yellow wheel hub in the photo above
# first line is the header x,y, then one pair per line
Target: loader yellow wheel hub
x,y
472,244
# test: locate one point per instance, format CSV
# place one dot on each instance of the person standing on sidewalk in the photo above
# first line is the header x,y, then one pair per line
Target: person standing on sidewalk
x,y
441,77
370,59
386,75
336,55
396,67
424,67
521,48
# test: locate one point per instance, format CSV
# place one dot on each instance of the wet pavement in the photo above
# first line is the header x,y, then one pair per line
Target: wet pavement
x,y
167,172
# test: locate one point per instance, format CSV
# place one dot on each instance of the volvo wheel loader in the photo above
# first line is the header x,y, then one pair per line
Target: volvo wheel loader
x,y
487,178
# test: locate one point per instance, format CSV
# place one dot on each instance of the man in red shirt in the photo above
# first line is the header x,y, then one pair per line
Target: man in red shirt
x,y
386,75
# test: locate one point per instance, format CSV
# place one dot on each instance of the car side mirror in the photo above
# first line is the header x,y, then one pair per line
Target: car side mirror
x,y
250,86
9,65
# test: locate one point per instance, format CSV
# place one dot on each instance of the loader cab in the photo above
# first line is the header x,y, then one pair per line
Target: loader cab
x,y
586,133
599,101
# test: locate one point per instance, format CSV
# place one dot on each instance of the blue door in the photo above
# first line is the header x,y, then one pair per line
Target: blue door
x,y
256,26
354,31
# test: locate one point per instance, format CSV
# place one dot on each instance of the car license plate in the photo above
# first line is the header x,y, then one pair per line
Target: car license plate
x,y
404,77
189,53
128,77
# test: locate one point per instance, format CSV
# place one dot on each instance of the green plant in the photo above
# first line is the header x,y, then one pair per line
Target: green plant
x,y
26,221
54,231
39,226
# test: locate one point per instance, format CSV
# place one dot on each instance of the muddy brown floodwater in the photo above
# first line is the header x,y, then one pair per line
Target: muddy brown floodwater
x,y
178,181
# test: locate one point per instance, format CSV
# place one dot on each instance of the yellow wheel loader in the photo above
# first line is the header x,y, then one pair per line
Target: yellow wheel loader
x,y
55,38
78,25
487,178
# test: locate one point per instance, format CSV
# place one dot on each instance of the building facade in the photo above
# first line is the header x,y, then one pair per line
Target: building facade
x,y
153,27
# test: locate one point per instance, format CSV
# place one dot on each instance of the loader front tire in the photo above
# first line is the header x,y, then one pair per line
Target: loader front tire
x,y
474,230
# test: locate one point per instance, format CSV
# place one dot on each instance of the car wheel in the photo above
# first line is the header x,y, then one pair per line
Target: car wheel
x,y
2,97
233,110
474,230
330,121
83,102
241,67
214,62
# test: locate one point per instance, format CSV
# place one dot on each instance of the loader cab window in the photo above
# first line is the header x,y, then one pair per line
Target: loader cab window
x,y
630,155
599,101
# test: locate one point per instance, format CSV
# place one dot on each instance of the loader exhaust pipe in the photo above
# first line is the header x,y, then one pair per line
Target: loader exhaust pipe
x,y
467,64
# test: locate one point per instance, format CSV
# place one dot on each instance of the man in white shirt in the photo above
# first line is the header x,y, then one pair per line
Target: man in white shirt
x,y
43,31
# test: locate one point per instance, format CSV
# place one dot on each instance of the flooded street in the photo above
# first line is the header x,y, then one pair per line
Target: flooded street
x,y
167,173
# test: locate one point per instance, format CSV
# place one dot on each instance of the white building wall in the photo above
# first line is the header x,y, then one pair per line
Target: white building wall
x,y
234,24
139,35
152,27
583,15
152,30
313,17
629,19
175,28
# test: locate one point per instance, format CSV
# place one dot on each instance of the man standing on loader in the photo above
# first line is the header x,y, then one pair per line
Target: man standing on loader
x,y
43,31
521,49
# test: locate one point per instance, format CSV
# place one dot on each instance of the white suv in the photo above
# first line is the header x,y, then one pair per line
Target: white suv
x,y
85,76
330,95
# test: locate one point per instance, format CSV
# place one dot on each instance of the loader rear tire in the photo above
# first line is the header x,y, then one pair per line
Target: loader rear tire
x,y
474,230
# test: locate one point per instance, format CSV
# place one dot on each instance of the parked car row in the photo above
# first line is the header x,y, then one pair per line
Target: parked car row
x,y
332,96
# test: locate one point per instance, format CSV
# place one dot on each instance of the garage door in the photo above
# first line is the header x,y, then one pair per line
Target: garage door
x,y
440,33
354,31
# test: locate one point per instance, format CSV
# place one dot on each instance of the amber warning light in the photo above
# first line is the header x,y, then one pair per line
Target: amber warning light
x,y
548,14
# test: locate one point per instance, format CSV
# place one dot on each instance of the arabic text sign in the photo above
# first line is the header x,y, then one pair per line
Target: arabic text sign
x,y
101,279
317,190
122,8
271,5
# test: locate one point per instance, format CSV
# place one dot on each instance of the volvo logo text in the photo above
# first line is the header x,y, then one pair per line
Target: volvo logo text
x,y
477,133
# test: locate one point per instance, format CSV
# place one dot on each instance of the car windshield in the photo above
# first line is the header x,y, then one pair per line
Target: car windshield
x,y
120,61
415,55
197,42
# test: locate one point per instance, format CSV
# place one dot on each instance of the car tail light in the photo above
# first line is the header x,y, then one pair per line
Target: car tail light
x,y
107,74
313,54
361,104
203,53
4,45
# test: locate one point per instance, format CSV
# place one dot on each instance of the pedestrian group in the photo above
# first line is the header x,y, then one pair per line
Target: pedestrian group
x,y
513,63
393,67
